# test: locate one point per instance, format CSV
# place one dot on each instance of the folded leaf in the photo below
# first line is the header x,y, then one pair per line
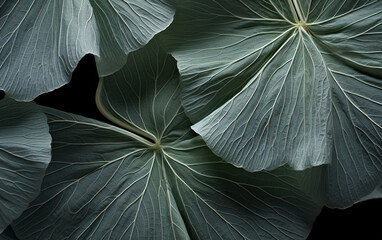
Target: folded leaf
x,y
126,26
41,42
270,83
156,178
24,156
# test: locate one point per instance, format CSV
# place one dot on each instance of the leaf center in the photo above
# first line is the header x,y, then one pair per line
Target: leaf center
x,y
302,24
157,147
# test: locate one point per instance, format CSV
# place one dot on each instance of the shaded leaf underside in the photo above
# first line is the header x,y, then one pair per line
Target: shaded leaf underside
x,y
126,26
41,42
267,88
157,179
24,157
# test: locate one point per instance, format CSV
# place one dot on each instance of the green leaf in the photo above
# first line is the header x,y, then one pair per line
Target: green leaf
x,y
24,156
155,178
41,42
270,83
126,26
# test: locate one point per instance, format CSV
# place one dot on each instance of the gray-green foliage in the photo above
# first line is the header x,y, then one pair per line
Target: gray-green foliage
x,y
41,42
24,156
270,83
155,179
289,90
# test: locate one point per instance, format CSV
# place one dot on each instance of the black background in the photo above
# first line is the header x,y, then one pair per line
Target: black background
x,y
362,221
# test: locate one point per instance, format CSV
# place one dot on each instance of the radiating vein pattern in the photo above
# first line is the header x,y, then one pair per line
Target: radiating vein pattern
x,y
155,179
221,48
104,184
146,102
106,193
273,113
269,83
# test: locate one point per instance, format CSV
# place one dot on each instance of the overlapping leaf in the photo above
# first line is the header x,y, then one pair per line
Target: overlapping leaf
x,y
156,179
41,42
126,26
286,82
24,156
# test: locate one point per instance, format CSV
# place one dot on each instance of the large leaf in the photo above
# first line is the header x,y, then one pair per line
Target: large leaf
x,y
285,82
24,156
155,179
126,26
41,42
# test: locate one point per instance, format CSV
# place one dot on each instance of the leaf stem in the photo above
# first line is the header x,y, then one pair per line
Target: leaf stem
x,y
296,9
140,135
